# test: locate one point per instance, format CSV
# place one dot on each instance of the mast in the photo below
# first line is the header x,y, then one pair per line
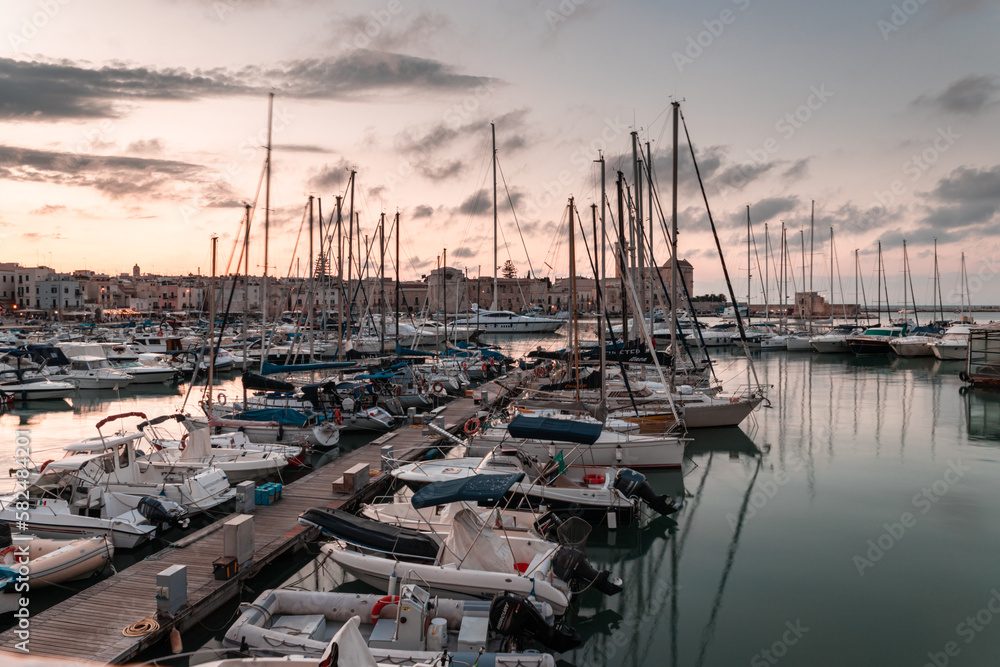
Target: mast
x,y
767,277
312,286
350,259
602,282
340,279
831,276
267,228
572,300
966,297
802,241
649,183
493,132
749,272
211,330
784,274
623,253
381,281
246,289
878,284
857,277
638,247
674,268
397,277
812,239
937,284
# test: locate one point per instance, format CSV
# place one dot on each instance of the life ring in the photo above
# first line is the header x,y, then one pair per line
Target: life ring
x,y
45,465
437,387
465,366
472,425
541,370
3,555
486,367
160,333
221,398
338,416
963,376
493,362
183,441
593,479
382,602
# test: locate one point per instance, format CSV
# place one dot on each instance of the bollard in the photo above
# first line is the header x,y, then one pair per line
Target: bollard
x,y
387,457
411,415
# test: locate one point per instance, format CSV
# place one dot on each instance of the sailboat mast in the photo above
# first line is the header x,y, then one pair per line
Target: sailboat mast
x,y
638,247
767,277
603,283
857,277
937,284
831,276
381,280
674,268
396,299
493,132
246,287
749,271
350,259
312,286
267,230
623,254
340,280
211,330
572,299
649,188
812,239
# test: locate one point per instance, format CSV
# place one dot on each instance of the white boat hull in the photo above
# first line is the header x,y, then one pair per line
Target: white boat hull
x,y
52,562
950,351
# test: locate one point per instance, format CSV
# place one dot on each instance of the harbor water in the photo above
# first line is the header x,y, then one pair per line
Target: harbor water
x,y
848,521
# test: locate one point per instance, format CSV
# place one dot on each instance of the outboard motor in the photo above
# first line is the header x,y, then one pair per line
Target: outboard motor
x,y
633,484
572,566
153,511
512,615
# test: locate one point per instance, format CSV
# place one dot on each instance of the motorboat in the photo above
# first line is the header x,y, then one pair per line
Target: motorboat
x,y
875,340
581,443
48,562
473,560
280,426
405,628
593,492
918,345
89,372
953,345
114,463
504,322
34,389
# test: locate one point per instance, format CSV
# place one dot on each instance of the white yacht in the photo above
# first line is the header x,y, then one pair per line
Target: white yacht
x,y
954,344
89,372
505,322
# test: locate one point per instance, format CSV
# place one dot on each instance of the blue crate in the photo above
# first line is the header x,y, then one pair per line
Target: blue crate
x,y
266,494
261,496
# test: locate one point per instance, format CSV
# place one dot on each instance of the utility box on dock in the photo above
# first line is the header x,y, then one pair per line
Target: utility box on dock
x,y
237,539
171,589
245,497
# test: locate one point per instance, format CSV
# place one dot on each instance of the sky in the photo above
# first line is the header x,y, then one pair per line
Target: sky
x,y
130,133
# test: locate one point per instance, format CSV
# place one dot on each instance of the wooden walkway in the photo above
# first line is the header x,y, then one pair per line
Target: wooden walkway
x,y
89,625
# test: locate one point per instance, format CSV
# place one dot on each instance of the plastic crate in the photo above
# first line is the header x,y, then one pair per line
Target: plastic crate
x,y
267,494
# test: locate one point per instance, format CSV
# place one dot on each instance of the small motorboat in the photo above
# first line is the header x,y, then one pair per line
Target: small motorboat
x,y
48,562
411,627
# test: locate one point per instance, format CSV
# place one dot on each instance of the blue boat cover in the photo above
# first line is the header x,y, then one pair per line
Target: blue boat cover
x,y
403,351
557,430
267,368
285,416
477,488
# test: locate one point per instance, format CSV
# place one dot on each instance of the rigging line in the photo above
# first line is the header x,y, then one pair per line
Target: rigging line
x,y
760,273
709,631
517,281
238,239
514,213
718,246
295,249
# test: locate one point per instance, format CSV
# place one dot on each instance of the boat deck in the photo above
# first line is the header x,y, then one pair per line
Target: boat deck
x,y
90,624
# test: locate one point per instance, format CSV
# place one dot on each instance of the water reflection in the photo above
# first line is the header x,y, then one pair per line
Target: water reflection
x,y
982,414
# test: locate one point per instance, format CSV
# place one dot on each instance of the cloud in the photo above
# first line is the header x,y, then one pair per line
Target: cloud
x,y
36,90
771,207
422,211
478,203
397,34
969,184
969,95
49,209
798,170
115,176
145,147
441,170
333,175
441,135
462,252
299,148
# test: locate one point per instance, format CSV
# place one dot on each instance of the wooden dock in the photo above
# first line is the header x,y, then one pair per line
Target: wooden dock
x,y
89,625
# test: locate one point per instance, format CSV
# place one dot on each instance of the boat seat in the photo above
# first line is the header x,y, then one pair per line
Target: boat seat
x,y
473,633
564,482
302,625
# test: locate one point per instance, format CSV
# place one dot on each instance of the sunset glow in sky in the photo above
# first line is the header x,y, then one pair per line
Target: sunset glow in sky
x,y
131,132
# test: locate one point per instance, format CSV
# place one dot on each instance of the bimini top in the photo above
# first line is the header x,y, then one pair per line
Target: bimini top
x,y
477,488
100,444
556,430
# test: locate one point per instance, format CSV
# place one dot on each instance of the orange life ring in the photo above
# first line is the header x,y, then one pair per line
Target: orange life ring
x,y
486,367
472,425
541,370
184,441
338,416
465,366
3,554
45,465
593,479
382,603
160,333
437,387
221,398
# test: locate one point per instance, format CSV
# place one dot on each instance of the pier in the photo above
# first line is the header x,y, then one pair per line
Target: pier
x,y
89,625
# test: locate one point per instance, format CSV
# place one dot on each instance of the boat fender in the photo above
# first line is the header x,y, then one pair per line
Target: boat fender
x,y
380,604
512,615
963,376
338,416
221,398
472,426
